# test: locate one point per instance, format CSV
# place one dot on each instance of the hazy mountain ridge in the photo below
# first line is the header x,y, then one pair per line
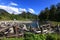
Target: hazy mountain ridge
x,y
4,15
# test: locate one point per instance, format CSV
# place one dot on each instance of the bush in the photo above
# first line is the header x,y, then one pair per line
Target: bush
x,y
32,36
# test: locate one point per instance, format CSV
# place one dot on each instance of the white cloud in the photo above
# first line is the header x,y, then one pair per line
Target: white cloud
x,y
31,10
15,10
14,4
22,9
12,9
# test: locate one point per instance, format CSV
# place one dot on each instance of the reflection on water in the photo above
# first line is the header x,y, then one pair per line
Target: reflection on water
x,y
32,24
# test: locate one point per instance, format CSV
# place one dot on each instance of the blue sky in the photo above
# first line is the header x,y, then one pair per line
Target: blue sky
x,y
33,6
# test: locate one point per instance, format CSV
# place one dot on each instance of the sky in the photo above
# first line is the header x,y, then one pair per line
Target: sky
x,y
33,6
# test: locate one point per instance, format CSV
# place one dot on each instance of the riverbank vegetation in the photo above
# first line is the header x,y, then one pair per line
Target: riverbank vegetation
x,y
32,36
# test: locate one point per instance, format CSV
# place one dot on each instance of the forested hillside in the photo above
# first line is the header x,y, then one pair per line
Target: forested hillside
x,y
4,15
52,13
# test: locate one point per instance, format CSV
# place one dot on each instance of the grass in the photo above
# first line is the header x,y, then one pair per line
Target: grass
x,y
13,38
31,36
54,23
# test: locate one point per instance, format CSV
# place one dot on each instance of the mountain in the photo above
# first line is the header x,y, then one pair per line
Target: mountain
x,y
4,15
